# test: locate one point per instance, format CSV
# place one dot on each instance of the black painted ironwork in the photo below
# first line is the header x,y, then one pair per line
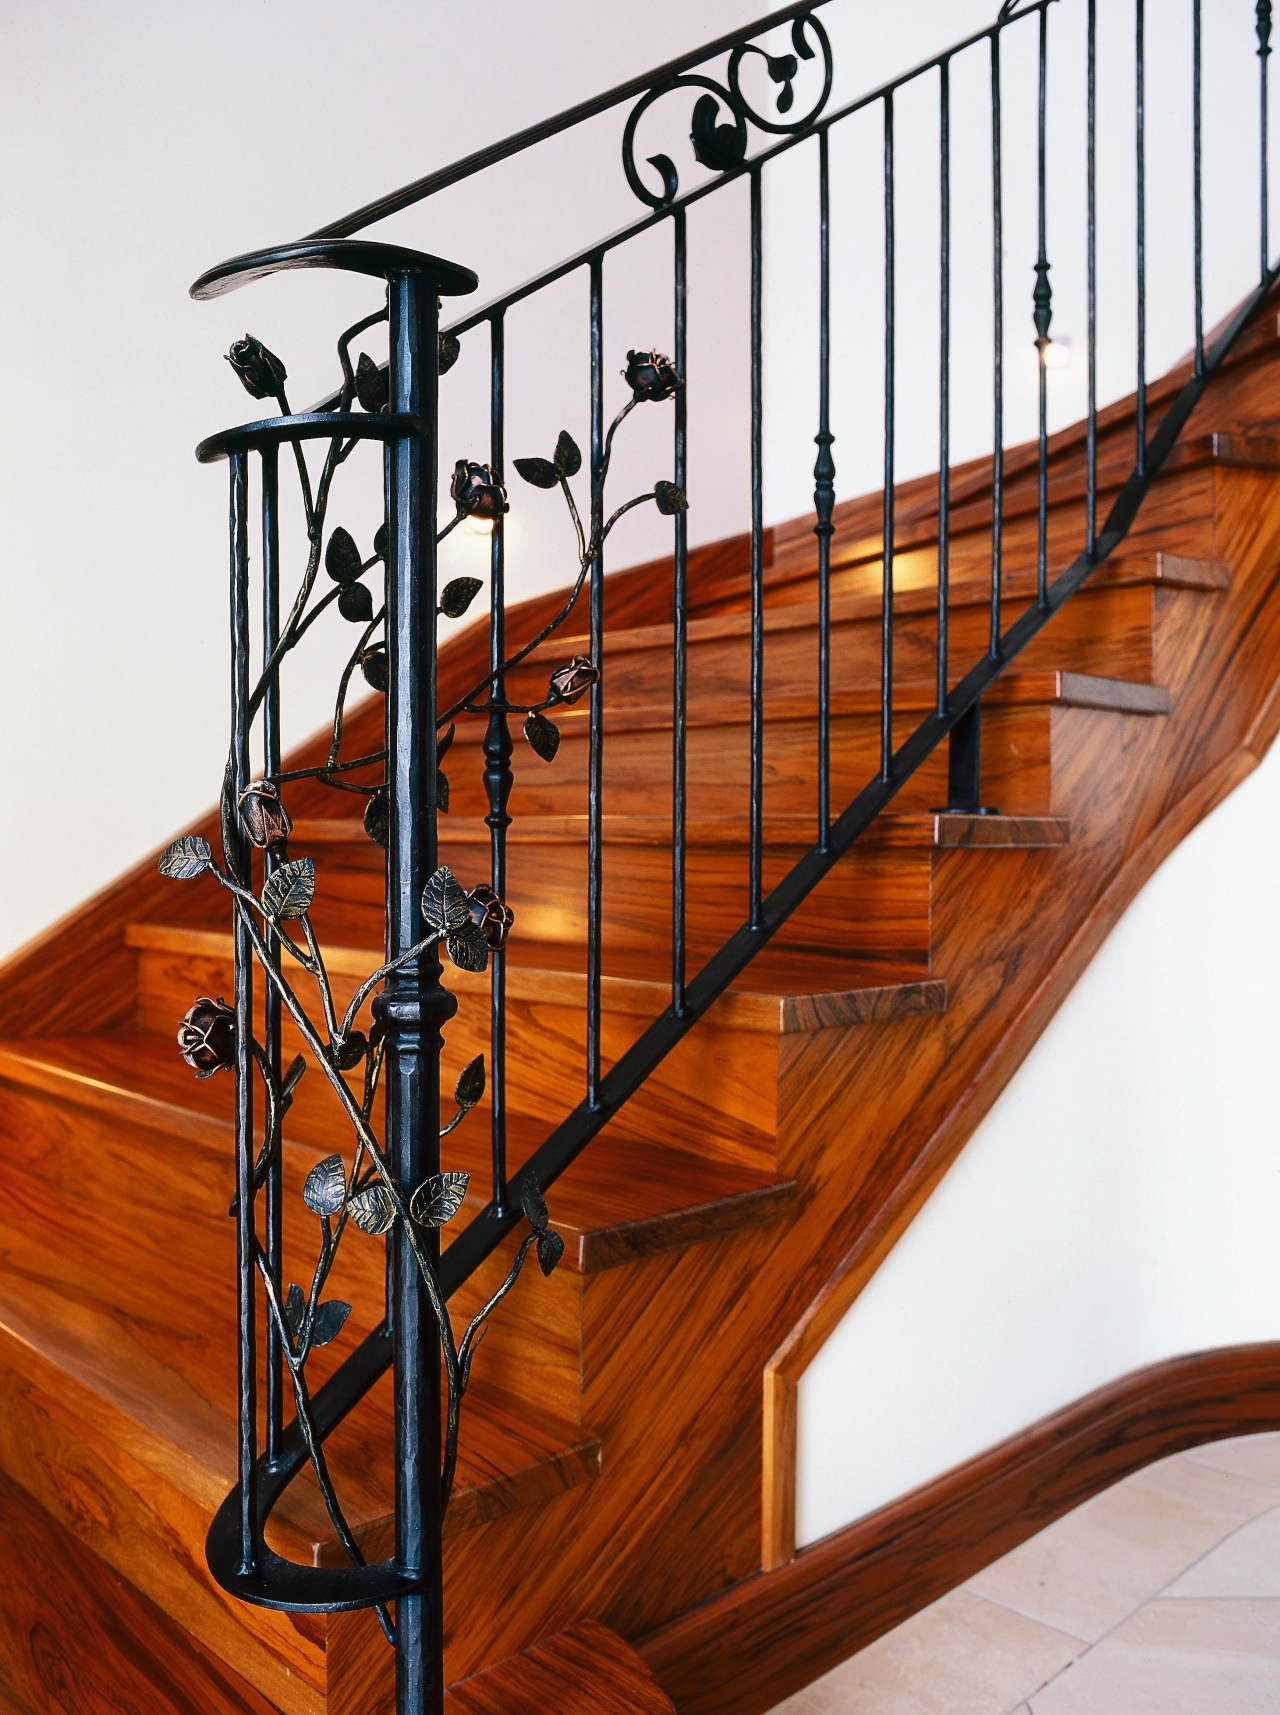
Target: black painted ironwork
x,y
769,96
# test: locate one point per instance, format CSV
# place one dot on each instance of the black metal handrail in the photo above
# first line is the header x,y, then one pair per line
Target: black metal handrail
x,y
396,1186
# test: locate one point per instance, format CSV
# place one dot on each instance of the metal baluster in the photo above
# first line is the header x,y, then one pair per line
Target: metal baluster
x,y
756,834
1196,187
413,1006
1091,286
997,257
886,607
824,491
238,859
944,385
595,764
497,772
680,623
1262,14
1043,301
273,1212
1141,138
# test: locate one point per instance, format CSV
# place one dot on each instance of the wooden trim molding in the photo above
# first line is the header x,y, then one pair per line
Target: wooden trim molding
x,y
824,1314
766,1637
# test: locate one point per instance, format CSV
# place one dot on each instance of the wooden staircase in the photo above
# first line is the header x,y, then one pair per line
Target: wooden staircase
x,y
611,1450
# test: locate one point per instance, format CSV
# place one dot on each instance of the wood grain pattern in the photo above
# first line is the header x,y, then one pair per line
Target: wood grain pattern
x,y
587,1670
774,1633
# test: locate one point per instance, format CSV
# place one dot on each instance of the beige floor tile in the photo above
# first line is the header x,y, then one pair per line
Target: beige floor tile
x,y
1177,1658
1246,1565
962,1656
1095,1567
1255,1456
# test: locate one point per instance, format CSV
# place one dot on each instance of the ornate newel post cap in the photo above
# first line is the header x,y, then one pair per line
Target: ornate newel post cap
x,y
353,255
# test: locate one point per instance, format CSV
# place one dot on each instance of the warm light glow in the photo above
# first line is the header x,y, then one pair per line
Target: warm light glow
x,y
481,526
1057,354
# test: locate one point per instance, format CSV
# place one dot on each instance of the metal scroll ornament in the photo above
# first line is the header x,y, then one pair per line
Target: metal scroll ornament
x,y
723,114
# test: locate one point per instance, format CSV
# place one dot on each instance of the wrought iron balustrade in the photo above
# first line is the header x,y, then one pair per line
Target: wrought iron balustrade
x,y
396,1185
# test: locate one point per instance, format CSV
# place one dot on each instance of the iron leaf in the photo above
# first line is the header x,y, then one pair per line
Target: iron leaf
x,y
467,947
442,792
325,1190
290,889
450,350
439,1198
568,459
372,1210
534,1205
295,1308
328,1321
380,541
444,741
356,604
720,147
371,384
293,1077
543,736
470,1085
550,1249
190,856
670,499
342,558
444,904
459,593
542,473
377,817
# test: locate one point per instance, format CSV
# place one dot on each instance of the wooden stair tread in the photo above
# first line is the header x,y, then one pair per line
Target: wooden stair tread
x,y
117,1294
586,1670
614,1203
780,992
904,832
1170,571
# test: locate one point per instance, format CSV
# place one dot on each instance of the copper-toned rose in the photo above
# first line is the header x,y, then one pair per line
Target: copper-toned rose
x,y
490,915
477,491
263,817
207,1037
650,376
261,370
573,680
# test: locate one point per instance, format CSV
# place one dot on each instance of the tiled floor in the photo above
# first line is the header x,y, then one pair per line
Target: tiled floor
x,y
1159,1597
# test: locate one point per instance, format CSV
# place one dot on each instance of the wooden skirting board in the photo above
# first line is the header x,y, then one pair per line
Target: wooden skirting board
x,y
768,1636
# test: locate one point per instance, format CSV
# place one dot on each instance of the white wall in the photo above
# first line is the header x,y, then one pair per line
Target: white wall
x,y
1118,1206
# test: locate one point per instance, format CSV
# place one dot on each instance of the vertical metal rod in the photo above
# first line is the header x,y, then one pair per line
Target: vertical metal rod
x,y
1262,15
1196,186
1141,140
1091,286
273,1191
944,385
497,772
824,491
595,763
1043,318
886,606
413,1006
238,858
756,832
679,620
997,261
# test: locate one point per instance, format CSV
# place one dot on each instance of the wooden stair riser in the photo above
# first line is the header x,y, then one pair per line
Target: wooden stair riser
x,y
874,907
720,1082
1015,754
1106,632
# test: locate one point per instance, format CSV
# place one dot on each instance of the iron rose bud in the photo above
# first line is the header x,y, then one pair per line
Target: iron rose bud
x,y
490,915
650,376
263,817
261,370
207,1037
477,491
573,680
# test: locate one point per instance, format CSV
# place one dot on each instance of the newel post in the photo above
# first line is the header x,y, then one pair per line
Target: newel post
x,y
414,1006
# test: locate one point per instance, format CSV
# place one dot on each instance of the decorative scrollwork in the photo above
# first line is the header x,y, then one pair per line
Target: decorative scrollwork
x,y
723,113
